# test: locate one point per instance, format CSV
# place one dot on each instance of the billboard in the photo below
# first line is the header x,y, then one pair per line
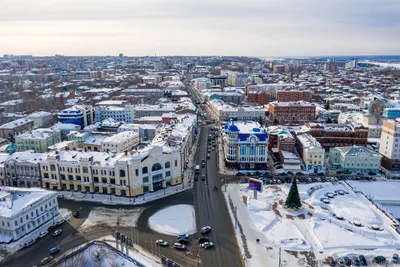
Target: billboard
x,y
256,185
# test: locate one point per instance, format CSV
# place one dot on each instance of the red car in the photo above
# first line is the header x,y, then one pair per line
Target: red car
x,y
51,228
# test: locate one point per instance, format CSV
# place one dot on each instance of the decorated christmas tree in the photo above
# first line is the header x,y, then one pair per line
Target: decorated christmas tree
x,y
293,199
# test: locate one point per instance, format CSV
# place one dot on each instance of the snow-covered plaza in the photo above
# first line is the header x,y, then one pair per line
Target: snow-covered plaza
x,y
334,222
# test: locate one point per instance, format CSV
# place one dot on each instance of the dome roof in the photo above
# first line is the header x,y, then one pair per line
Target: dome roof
x,y
231,127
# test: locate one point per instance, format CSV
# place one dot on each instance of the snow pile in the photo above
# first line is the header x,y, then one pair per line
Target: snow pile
x,y
110,217
65,213
174,220
289,236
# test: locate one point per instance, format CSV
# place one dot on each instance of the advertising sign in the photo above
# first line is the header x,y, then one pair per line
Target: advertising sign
x,y
255,185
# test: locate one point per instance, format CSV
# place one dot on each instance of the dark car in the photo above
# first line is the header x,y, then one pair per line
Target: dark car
x,y
347,261
331,261
183,241
379,260
363,260
371,173
51,228
76,214
355,261
203,240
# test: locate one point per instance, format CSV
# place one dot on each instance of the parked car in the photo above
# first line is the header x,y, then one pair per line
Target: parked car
x,y
179,246
347,261
43,234
355,261
331,261
57,232
46,260
363,260
207,245
162,243
183,236
30,243
184,241
395,258
51,228
76,214
339,172
205,229
340,262
54,250
60,221
371,173
379,260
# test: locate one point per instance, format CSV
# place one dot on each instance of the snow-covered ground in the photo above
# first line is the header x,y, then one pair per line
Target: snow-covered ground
x,y
110,217
317,231
174,220
65,213
383,192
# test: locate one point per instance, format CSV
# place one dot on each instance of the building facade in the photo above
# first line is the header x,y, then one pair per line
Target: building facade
x,y
15,127
337,135
258,97
120,142
293,95
312,152
22,169
37,140
245,145
41,119
125,114
81,115
355,159
23,211
292,112
390,144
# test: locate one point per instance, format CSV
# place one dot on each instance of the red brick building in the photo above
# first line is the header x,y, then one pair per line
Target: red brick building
x,y
259,97
293,95
292,112
337,135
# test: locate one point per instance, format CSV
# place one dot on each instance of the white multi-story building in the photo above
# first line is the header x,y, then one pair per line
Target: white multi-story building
x,y
154,110
355,159
312,152
23,211
245,145
41,119
390,144
120,142
224,112
125,114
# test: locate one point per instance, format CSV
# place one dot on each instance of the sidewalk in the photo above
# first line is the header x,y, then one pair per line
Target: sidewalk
x,y
187,178
221,160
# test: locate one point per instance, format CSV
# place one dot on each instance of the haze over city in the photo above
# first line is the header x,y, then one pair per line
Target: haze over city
x,y
200,27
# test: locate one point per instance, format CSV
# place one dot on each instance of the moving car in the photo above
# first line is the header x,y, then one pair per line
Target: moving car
x,y
54,250
203,177
43,234
60,221
46,260
205,229
207,245
203,240
183,236
76,214
162,243
57,232
179,246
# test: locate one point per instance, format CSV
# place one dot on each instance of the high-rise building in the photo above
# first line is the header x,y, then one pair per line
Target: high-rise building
x,y
390,144
352,64
81,115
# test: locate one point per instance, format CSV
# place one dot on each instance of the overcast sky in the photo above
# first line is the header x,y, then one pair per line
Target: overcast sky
x,y
200,27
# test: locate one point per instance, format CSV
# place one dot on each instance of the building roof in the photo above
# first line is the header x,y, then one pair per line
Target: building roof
x,y
37,134
121,137
357,151
16,200
39,114
15,123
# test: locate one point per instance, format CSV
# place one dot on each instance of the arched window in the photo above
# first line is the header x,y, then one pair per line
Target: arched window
x,y
145,170
156,167
52,167
167,164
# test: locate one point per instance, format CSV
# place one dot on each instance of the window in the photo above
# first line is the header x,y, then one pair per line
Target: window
x,y
176,163
145,179
156,167
85,169
112,181
96,179
121,173
52,167
27,216
145,170
137,172
104,180
168,174
167,165
16,223
70,177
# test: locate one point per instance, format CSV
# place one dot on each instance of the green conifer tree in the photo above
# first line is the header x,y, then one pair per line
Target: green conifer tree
x,y
293,199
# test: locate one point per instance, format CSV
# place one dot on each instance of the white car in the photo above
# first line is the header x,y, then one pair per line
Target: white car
x,y
207,245
179,246
205,229
162,243
43,234
60,221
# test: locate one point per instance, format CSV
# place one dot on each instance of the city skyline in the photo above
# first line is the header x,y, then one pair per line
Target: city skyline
x,y
236,28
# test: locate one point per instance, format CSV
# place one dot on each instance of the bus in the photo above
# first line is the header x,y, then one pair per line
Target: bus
x,y
197,169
